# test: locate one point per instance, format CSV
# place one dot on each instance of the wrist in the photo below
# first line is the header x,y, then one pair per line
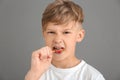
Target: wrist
x,y
32,76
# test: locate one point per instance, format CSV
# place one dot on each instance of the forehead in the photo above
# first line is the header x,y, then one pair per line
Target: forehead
x,y
70,25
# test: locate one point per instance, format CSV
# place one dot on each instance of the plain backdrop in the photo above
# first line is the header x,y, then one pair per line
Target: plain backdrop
x,y
20,35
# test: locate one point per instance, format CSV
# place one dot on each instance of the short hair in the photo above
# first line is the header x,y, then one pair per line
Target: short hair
x,y
61,12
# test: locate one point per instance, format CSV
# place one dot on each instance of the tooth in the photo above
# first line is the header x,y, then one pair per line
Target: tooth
x,y
57,48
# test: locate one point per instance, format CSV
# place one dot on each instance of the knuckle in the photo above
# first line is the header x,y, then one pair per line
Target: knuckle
x,y
34,53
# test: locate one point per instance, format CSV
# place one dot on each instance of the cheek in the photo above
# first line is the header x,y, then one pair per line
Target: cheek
x,y
71,41
48,41
73,38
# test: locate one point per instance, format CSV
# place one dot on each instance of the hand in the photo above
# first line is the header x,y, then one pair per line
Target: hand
x,y
41,60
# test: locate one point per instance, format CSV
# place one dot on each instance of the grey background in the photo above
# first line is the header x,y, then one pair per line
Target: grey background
x,y
20,35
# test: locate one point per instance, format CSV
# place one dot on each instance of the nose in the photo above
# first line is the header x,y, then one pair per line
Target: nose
x,y
58,39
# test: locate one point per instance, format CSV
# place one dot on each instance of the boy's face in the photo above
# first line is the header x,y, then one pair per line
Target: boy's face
x,y
62,39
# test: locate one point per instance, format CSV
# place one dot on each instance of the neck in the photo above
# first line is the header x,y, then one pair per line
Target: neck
x,y
67,63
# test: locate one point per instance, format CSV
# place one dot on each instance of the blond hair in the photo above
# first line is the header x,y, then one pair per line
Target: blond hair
x,y
61,12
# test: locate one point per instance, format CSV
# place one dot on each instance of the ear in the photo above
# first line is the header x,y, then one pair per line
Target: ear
x,y
80,35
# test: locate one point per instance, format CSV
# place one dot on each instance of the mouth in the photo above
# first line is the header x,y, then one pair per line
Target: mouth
x,y
58,49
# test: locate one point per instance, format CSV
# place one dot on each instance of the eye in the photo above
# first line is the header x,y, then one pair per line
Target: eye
x,y
51,32
66,32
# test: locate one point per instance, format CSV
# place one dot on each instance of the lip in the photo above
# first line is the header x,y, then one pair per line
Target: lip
x,y
58,50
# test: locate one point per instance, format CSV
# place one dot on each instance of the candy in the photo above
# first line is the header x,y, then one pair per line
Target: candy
x,y
58,51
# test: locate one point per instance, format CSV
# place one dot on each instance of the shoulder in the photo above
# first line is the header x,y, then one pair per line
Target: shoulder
x,y
90,72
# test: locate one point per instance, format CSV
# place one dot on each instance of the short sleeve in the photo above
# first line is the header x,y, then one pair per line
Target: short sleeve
x,y
42,77
100,77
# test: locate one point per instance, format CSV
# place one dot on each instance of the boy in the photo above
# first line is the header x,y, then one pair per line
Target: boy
x,y
62,29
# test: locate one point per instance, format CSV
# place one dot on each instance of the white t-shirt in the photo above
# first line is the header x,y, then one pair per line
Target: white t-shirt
x,y
82,71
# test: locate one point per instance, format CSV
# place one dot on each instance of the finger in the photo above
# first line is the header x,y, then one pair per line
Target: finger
x,y
43,53
35,58
35,55
38,54
49,53
47,50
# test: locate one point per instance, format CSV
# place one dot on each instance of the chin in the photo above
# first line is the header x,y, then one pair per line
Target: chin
x,y
58,58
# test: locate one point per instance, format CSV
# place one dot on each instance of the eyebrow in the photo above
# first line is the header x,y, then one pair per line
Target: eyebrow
x,y
49,29
68,29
